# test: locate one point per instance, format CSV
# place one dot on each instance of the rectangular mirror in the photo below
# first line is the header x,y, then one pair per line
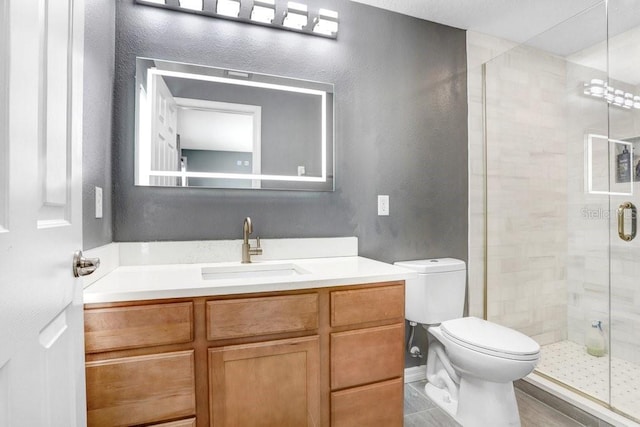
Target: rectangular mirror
x,y
609,165
199,126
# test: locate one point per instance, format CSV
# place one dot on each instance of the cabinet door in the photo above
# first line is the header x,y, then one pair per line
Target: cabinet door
x,y
273,383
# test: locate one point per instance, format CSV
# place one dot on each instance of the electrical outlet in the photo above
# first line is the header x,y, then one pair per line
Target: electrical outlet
x,y
383,205
98,202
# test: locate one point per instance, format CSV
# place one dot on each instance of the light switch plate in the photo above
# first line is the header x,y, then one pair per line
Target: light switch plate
x,y
383,205
98,202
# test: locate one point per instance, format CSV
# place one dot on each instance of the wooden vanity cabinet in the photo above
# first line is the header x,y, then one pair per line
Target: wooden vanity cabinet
x,y
367,356
315,357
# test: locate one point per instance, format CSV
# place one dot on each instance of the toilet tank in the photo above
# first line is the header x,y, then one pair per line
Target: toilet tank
x,y
438,292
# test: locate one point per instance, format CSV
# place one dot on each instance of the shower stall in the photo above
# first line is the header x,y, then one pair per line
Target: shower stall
x,y
554,132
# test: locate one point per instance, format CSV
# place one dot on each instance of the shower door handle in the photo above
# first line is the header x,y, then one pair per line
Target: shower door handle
x,y
634,219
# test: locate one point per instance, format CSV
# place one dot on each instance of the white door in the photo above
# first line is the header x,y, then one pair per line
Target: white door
x,y
164,150
41,346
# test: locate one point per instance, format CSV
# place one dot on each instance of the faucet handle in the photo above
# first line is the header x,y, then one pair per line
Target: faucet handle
x,y
257,250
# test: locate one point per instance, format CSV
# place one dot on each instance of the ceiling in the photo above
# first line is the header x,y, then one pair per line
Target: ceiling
x,y
533,21
517,20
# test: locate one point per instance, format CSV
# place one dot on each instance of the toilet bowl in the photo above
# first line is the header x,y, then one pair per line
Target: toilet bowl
x,y
487,350
485,394
471,363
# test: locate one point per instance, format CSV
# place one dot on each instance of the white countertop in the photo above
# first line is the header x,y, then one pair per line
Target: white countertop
x,y
143,282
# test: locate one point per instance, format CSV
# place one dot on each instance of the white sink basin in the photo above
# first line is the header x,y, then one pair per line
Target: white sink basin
x,y
250,271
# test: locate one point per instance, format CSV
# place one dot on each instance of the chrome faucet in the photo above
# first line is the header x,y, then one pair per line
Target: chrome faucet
x,y
247,250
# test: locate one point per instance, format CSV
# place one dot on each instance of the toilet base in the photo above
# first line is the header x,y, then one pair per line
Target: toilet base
x,y
441,397
481,403
484,403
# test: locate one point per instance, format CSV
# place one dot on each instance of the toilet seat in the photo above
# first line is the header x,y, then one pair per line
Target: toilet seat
x,y
490,338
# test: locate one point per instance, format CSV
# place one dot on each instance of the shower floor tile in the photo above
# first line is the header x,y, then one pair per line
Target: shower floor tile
x,y
570,363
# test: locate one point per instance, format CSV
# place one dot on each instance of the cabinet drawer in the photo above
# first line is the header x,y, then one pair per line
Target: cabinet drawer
x,y
367,305
366,355
190,422
379,404
141,389
118,328
247,317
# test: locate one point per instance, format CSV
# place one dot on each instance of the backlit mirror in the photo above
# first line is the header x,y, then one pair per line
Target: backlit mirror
x,y
199,126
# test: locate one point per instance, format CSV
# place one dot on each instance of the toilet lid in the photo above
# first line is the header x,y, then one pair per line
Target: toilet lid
x,y
490,338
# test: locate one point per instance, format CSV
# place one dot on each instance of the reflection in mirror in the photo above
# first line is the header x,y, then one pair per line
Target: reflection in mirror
x,y
200,126
608,165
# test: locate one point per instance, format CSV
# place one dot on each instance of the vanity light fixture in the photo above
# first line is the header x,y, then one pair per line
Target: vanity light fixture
x,y
296,16
280,14
326,22
263,11
229,8
191,4
598,88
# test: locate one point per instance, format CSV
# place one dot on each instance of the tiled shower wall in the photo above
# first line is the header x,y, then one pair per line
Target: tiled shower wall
x,y
480,49
549,240
527,182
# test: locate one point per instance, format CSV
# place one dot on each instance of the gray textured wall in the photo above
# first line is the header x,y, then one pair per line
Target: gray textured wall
x,y
99,58
401,114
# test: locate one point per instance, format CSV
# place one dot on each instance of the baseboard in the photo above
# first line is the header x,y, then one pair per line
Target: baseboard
x,y
415,373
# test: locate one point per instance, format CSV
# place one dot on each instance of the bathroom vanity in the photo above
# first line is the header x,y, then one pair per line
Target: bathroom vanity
x,y
320,347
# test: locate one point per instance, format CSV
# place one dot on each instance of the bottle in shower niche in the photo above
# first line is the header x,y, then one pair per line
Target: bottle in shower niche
x,y
594,340
623,168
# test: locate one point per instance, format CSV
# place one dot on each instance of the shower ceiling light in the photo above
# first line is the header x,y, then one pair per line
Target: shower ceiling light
x,y
290,16
296,16
263,11
600,89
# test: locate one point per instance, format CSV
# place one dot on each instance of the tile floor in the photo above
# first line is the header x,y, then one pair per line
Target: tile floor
x,y
569,362
419,411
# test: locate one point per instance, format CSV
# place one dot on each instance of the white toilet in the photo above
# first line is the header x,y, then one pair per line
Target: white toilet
x,y
471,363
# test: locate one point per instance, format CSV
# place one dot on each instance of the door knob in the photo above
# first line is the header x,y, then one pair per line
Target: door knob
x,y
84,266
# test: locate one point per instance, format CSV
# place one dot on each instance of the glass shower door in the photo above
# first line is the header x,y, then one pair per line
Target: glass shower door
x,y
561,132
624,126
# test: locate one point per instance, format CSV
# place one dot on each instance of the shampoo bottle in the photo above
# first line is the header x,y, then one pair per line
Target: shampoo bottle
x,y
595,341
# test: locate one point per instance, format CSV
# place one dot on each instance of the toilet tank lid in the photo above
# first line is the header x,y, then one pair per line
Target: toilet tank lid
x,y
434,265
